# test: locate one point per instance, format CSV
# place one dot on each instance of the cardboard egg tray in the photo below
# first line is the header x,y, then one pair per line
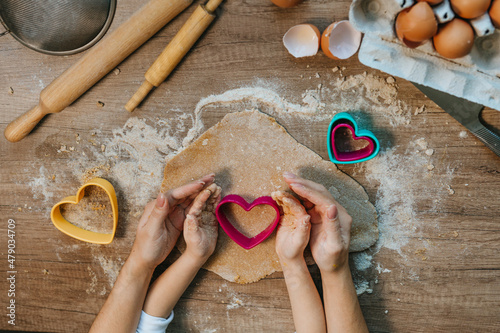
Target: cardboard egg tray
x,y
475,77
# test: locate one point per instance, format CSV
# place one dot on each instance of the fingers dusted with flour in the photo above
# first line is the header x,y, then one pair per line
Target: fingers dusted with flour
x,y
190,190
162,222
312,193
159,210
200,234
331,224
329,242
200,228
291,240
157,232
294,228
182,197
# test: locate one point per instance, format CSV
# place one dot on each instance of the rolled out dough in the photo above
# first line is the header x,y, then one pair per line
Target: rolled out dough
x,y
249,151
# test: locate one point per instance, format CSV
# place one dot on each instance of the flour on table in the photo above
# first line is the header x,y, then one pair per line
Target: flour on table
x,y
40,185
93,212
138,177
235,303
398,205
110,267
244,151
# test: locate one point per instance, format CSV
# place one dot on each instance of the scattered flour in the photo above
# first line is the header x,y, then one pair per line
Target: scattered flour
x,y
93,281
396,204
381,270
235,303
450,190
358,92
362,260
110,267
133,156
40,186
420,110
132,159
362,286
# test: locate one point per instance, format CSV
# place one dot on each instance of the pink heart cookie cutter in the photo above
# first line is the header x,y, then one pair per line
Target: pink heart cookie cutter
x,y
344,119
233,233
357,155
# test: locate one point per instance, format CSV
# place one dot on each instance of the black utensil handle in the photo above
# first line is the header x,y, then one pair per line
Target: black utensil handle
x,y
490,139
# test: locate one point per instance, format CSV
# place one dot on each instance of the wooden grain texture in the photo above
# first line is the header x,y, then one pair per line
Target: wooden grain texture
x,y
97,62
173,53
456,289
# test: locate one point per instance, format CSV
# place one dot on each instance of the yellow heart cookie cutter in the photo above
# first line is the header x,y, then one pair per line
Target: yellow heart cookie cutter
x,y
76,232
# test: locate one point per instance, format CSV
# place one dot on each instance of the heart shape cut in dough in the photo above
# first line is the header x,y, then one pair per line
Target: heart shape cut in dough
x,y
79,233
345,120
233,233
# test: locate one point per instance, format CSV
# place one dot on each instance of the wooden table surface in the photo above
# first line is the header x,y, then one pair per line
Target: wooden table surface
x,y
445,279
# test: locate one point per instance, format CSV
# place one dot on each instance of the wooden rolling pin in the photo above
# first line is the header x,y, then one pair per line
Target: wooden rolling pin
x,y
190,32
97,62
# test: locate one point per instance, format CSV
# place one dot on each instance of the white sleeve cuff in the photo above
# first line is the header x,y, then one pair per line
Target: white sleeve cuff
x,y
150,324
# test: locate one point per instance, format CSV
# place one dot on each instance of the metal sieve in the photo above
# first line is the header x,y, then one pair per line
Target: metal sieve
x,y
58,27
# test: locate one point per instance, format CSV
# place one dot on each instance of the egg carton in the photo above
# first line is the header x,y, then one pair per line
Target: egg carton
x,y
475,77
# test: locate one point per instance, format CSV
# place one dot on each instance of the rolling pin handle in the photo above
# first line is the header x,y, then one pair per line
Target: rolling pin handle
x,y
24,124
212,5
139,96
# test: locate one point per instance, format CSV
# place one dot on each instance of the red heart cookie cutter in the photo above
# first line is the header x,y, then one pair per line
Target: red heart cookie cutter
x,y
353,155
235,234
337,156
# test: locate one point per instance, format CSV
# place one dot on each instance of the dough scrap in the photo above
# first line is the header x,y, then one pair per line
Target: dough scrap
x,y
249,151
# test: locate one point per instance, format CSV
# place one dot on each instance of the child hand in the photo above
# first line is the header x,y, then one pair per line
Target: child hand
x,y
161,223
201,227
330,223
293,230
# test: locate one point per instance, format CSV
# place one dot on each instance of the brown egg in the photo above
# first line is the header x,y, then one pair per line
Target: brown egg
x,y
470,9
454,39
286,3
416,24
495,13
431,2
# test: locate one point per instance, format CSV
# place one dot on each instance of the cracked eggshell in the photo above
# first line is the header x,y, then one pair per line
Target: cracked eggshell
x,y
340,40
416,24
454,39
302,40
399,31
286,3
470,9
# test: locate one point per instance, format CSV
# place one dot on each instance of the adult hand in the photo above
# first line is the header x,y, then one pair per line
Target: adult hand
x,y
162,222
330,223
293,230
201,227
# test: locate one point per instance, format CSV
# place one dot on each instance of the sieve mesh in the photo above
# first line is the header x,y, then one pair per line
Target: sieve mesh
x,y
57,26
